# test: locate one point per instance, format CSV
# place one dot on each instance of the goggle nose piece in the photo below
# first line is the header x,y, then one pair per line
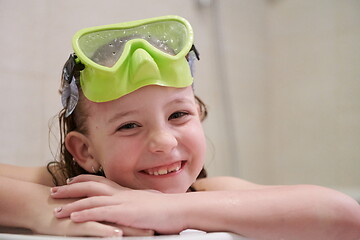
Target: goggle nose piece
x,y
143,68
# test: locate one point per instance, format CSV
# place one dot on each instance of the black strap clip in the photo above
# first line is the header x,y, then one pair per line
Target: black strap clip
x,y
71,68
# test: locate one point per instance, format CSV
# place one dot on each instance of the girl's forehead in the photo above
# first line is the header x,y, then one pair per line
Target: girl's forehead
x,y
145,96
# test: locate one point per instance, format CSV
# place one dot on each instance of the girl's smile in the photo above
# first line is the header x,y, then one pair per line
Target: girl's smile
x,y
165,170
151,138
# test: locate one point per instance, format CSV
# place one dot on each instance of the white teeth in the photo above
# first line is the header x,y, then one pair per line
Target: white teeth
x,y
164,171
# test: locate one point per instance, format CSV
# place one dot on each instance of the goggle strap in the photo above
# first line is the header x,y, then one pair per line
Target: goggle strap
x,y
191,56
71,68
197,54
70,92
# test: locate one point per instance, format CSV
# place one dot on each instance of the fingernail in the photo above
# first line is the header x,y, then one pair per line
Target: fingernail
x,y
117,233
58,209
69,180
53,190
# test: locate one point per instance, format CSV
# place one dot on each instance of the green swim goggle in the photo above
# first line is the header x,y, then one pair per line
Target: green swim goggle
x,y
114,60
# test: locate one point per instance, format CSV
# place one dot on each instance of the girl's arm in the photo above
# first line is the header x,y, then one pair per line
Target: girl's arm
x,y
39,175
289,212
28,205
225,183
284,212
25,202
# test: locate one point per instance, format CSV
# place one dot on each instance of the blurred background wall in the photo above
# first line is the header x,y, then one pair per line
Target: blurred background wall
x,y
281,79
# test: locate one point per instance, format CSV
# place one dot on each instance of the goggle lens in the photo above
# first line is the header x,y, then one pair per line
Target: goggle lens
x,y
105,47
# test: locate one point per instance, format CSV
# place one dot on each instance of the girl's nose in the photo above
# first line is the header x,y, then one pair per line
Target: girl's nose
x,y
162,141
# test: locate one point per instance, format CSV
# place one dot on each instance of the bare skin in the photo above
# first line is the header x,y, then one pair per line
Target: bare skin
x,y
151,146
245,208
260,212
25,202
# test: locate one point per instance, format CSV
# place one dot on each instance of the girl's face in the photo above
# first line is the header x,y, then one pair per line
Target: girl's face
x,y
151,138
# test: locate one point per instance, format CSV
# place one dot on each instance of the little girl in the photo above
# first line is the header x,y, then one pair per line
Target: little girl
x,y
132,153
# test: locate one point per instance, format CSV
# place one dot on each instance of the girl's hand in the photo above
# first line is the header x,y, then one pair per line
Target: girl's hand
x,y
106,201
46,223
28,205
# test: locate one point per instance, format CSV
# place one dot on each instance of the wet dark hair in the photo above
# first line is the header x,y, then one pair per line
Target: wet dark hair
x,y
65,166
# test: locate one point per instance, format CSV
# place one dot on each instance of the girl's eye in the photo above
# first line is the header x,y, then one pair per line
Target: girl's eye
x,y
128,126
176,115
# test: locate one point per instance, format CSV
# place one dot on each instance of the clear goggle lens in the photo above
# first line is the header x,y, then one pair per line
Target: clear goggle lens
x,y
105,47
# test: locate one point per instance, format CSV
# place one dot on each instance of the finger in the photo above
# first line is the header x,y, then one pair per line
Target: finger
x,y
83,204
101,214
115,215
66,227
93,229
82,189
103,231
93,178
129,231
86,178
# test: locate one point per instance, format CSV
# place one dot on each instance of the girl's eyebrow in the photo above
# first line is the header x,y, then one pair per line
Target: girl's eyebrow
x,y
179,100
130,112
121,115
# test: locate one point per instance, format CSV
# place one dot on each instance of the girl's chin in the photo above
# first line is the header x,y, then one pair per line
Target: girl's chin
x,y
171,189
183,190
166,187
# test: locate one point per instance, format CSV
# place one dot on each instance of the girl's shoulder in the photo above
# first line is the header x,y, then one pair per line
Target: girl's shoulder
x,y
224,183
39,175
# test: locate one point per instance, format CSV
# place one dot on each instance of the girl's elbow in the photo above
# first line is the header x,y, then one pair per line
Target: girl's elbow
x,y
350,218
344,215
